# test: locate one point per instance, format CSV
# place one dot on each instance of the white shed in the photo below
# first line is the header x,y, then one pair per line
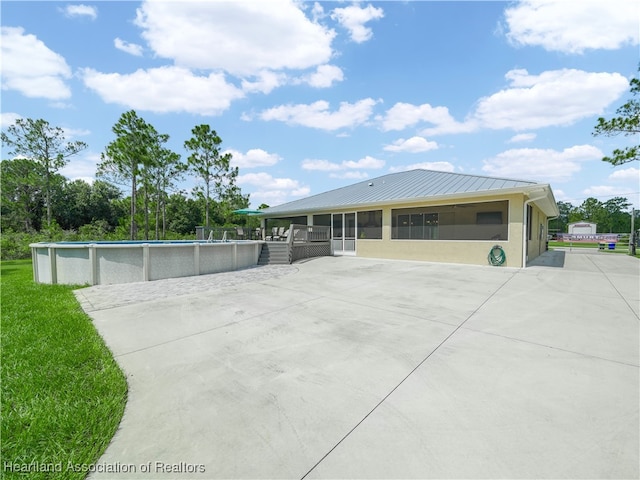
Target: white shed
x,y
582,228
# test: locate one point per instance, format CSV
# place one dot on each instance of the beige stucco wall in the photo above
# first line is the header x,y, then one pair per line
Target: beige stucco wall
x,y
448,251
538,238
456,251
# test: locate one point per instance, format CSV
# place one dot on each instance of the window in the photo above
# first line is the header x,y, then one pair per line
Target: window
x,y
415,225
469,221
370,224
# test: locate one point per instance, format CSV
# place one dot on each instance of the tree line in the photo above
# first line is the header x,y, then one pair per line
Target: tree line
x,y
612,216
37,203
41,204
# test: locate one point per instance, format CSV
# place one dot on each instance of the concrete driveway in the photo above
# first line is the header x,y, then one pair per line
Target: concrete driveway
x,y
342,367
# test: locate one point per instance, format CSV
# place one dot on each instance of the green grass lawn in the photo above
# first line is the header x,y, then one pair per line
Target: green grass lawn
x,y
63,395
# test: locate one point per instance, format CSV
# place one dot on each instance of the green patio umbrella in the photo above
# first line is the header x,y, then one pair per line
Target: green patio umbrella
x,y
247,211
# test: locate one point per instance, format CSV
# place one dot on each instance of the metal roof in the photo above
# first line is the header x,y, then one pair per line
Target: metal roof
x,y
401,186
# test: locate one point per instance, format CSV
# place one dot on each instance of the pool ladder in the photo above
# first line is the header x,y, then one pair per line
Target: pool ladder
x,y
224,237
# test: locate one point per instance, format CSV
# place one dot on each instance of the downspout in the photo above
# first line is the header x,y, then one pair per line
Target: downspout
x,y
525,222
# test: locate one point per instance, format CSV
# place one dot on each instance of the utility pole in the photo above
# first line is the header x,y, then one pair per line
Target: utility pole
x,y
632,238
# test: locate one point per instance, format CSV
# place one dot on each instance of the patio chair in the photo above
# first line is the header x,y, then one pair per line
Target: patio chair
x,y
240,233
274,234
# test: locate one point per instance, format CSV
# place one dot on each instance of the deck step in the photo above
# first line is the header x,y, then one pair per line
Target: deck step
x,y
274,254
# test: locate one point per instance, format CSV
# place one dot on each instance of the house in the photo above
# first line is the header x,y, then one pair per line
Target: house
x,y
431,216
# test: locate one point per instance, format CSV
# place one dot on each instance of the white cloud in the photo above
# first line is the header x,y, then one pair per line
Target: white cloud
x,y
573,27
167,89
317,12
439,166
317,114
602,191
82,167
545,165
70,133
350,175
81,11
523,137
321,165
553,98
411,145
264,82
354,17
241,38
31,68
324,76
270,190
560,195
8,118
255,157
403,115
626,174
367,162
130,48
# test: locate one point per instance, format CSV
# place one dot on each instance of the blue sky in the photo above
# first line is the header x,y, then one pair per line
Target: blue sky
x,y
312,96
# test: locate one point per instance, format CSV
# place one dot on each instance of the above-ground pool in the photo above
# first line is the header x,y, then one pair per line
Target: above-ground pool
x,y
98,263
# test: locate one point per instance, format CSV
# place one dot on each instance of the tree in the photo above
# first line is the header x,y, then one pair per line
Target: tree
x,y
232,199
46,145
165,171
560,223
124,157
79,203
22,199
214,169
105,203
626,123
184,213
617,219
590,210
72,201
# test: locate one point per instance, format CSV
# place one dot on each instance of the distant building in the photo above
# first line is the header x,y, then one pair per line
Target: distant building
x,y
429,215
585,232
582,228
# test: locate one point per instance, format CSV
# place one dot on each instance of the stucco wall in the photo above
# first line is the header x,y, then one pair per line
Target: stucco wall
x,y
538,239
474,252
457,251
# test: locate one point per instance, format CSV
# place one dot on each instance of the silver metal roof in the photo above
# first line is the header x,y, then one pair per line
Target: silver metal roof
x,y
395,187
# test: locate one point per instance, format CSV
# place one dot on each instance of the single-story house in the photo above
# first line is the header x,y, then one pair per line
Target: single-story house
x,y
431,216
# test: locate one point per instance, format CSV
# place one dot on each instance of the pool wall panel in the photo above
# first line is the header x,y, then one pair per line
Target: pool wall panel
x,y
43,265
104,263
119,265
72,266
171,262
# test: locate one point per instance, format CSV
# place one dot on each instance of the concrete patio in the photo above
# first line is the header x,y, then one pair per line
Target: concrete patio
x,y
344,367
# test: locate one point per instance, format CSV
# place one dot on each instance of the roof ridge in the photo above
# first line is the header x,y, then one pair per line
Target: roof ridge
x,y
457,173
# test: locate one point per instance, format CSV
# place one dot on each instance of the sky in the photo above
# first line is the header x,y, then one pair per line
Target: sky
x,y
313,96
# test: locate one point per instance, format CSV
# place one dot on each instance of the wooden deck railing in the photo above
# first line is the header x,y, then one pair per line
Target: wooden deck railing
x,y
309,234
306,241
